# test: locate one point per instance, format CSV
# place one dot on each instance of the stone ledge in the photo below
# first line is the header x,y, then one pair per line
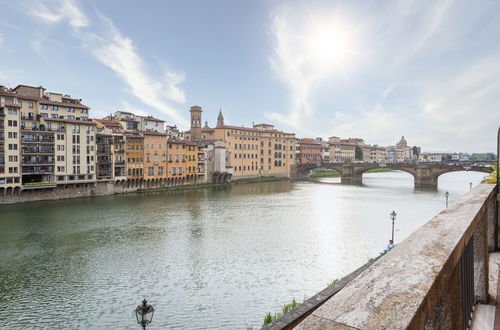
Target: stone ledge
x,y
401,290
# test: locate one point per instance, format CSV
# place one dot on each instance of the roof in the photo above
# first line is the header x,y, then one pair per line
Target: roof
x,y
83,122
253,129
152,119
49,102
152,133
108,122
128,119
27,86
12,105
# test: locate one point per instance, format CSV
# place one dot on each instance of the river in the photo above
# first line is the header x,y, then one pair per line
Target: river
x,y
215,258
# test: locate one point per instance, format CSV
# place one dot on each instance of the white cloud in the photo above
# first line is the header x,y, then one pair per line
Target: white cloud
x,y
54,11
302,59
417,76
118,52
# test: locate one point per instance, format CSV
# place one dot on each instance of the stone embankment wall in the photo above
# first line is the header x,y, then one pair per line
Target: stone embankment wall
x,y
65,192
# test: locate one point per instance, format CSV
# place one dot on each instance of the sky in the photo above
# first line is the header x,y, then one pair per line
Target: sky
x,y
428,70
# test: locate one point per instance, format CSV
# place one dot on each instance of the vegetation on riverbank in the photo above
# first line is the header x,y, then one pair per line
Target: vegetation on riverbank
x,y
492,178
185,187
285,309
261,179
208,185
325,174
381,169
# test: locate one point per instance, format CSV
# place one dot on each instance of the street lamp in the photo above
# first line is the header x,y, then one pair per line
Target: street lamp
x,y
393,217
144,314
446,194
470,185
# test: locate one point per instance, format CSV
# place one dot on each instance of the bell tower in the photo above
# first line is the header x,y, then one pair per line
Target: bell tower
x,y
195,122
220,119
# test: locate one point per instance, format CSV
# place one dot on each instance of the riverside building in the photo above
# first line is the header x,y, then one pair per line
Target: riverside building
x,y
49,139
255,151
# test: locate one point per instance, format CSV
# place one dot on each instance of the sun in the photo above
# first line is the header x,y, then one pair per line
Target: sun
x,y
329,45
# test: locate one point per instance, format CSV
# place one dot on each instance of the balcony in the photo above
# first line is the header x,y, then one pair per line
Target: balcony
x,y
34,169
38,185
35,150
103,152
37,139
37,162
119,163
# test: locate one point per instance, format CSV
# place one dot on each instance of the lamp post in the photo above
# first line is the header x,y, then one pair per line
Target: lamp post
x,y
393,217
144,314
446,194
470,185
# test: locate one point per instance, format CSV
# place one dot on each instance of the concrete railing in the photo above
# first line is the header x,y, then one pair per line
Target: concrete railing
x,y
431,280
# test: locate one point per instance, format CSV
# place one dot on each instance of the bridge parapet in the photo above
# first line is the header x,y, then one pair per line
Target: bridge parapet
x,y
425,174
430,280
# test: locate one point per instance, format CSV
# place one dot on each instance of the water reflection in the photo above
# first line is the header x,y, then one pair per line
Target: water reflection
x,y
209,258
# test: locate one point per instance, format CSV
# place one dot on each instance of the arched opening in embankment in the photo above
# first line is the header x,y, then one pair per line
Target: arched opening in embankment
x,y
459,181
388,177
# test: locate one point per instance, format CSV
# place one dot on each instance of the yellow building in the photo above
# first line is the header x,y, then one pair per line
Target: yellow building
x,y
176,159
155,159
255,151
192,169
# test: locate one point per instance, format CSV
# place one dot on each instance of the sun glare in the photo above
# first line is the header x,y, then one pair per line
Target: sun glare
x,y
329,46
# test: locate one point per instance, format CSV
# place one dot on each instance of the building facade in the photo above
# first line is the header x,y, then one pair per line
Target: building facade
x,y
310,151
49,139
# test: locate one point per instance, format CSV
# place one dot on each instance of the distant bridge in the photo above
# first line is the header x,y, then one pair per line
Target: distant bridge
x,y
424,174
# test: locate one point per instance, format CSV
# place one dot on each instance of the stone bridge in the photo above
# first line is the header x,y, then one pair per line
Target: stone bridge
x,y
424,174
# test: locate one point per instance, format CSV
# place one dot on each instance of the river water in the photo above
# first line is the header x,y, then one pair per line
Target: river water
x,y
215,258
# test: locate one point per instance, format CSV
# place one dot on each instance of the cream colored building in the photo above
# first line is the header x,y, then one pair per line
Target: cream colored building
x,y
378,154
255,151
55,138
10,146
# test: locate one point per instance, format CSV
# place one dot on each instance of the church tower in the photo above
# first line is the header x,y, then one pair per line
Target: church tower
x,y
220,119
195,122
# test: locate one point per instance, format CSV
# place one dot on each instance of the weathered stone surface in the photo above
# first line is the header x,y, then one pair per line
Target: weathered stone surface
x,y
316,322
292,318
66,191
402,289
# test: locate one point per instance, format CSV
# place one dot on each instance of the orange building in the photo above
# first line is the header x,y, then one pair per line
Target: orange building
x,y
191,162
310,151
176,168
155,159
135,157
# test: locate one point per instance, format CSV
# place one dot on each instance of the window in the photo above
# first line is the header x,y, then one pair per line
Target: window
x,y
12,146
44,107
44,115
71,109
12,158
54,116
12,135
71,117
76,129
12,123
12,111
55,107
30,105
160,170
151,170
12,169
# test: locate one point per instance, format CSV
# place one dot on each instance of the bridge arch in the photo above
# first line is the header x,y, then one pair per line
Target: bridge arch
x,y
424,174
